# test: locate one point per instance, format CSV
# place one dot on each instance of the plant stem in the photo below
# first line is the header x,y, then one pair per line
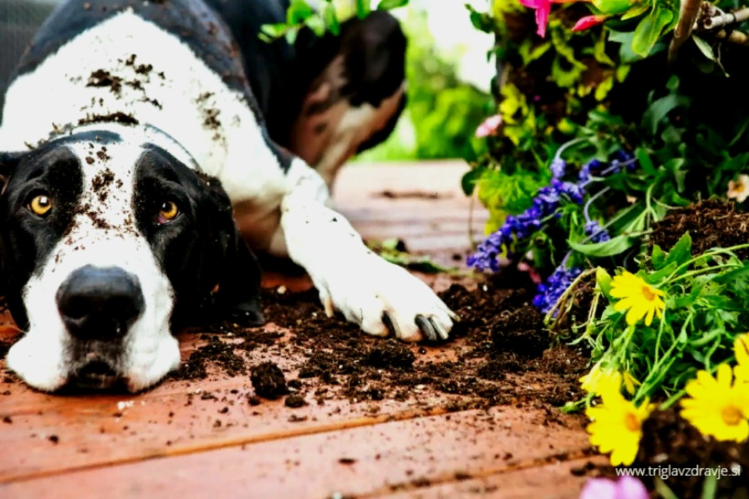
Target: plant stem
x,y
687,16
675,277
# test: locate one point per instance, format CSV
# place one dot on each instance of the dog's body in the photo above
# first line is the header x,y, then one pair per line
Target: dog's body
x,y
128,135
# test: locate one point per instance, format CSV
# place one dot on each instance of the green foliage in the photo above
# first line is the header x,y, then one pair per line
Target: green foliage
x,y
325,19
706,308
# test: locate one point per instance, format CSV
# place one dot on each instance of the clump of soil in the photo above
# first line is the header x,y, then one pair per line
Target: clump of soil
x,y
295,401
215,352
268,381
391,353
711,224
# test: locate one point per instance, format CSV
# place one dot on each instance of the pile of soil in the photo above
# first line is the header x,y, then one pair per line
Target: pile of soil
x,y
711,224
500,354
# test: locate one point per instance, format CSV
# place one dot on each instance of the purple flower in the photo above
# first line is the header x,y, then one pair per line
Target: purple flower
x,y
550,292
597,233
626,487
558,167
572,191
485,257
588,169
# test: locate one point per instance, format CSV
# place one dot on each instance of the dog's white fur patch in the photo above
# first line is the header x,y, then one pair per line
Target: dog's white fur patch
x,y
103,234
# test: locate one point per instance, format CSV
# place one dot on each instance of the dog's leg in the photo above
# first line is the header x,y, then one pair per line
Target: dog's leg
x,y
379,296
356,95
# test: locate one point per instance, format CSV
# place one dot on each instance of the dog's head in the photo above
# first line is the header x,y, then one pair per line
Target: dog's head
x,y
107,246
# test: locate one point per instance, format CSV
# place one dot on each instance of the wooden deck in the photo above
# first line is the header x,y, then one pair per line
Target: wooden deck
x,y
175,441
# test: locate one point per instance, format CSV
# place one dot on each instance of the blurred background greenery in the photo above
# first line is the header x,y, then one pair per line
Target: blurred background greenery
x,y
448,76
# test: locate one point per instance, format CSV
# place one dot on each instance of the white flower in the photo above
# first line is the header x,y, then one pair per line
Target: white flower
x,y
739,190
489,126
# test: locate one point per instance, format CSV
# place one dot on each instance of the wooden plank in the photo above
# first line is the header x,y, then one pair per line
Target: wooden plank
x,y
360,461
558,480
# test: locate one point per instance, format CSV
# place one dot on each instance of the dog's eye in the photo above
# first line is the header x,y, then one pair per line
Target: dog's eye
x,y
168,212
40,205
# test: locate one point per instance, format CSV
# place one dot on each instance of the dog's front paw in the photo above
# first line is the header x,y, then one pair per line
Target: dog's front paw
x,y
385,299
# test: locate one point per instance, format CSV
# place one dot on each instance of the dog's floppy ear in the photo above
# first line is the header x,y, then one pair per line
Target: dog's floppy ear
x,y
8,163
238,295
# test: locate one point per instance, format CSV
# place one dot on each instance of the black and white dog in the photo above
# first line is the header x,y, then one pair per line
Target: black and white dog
x,y
136,132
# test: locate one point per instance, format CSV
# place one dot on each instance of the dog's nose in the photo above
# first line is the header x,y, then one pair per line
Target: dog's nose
x,y
100,303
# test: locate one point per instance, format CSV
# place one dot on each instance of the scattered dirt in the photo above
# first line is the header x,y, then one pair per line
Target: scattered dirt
x,y
269,381
118,117
499,355
712,224
217,353
102,78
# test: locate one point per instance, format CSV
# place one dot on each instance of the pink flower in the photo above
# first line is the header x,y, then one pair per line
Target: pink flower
x,y
588,22
489,126
626,487
543,9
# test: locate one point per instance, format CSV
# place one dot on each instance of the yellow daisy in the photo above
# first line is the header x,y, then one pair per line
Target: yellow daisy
x,y
718,407
637,296
616,426
741,352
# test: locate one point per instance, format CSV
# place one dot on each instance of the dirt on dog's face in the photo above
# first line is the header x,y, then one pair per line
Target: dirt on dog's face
x,y
106,246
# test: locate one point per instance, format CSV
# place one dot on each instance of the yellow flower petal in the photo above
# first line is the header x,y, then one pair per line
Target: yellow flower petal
x,y
616,427
636,296
718,406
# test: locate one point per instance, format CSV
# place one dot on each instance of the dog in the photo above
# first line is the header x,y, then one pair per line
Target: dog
x,y
150,149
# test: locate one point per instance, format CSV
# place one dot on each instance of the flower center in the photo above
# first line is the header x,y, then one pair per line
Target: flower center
x,y
647,293
732,415
631,422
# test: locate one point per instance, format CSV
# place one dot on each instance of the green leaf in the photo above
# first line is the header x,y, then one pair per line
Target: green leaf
x,y
741,273
658,110
391,4
291,35
316,24
604,281
331,19
299,11
611,6
645,162
658,258
681,253
635,11
650,29
615,246
666,271
270,32
363,8
707,51
470,179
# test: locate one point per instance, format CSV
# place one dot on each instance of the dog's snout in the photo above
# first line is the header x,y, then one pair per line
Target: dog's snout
x,y
100,303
